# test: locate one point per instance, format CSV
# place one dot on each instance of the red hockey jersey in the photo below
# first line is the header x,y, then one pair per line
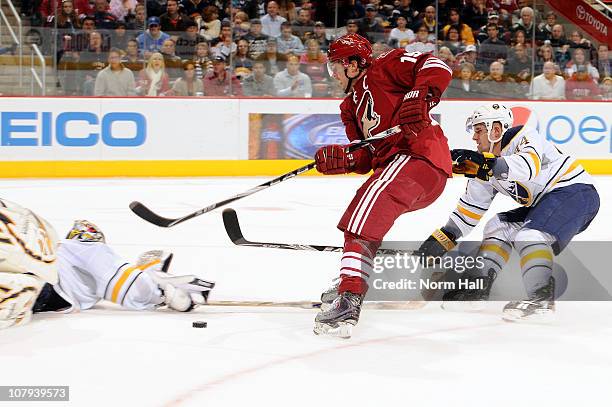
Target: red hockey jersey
x,y
373,106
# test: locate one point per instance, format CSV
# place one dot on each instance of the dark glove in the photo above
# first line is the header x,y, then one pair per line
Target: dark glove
x,y
414,111
473,164
333,159
438,244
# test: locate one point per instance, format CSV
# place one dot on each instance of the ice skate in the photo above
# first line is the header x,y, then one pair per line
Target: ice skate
x,y
541,306
470,299
342,315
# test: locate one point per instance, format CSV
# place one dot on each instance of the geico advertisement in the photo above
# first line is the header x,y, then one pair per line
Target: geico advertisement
x,y
112,129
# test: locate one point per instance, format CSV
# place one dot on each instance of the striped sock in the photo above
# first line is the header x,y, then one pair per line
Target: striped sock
x,y
496,253
536,264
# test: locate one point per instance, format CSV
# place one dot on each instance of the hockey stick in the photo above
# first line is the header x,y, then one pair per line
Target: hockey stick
x,y
394,305
232,227
147,214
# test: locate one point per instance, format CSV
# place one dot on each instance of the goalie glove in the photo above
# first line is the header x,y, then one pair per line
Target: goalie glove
x,y
182,293
473,164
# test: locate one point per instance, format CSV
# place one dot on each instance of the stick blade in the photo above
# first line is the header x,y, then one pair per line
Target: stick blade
x,y
147,214
232,226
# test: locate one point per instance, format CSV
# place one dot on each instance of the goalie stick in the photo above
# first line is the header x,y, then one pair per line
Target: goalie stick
x,y
232,227
147,214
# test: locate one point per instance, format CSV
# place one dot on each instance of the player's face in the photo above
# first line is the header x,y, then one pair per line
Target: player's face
x,y
481,137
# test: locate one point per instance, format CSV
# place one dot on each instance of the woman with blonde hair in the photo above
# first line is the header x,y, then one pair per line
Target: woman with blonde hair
x,y
189,84
313,60
153,80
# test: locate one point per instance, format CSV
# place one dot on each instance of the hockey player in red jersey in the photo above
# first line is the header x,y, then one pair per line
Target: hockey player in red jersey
x,y
394,91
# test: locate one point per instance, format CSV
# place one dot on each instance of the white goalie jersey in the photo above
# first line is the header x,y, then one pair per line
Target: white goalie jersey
x,y
535,167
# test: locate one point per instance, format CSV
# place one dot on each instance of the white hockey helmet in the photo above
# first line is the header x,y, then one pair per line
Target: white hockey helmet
x,y
85,231
487,115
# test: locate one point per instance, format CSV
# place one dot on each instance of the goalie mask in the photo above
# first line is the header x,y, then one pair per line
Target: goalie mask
x,y
487,115
85,231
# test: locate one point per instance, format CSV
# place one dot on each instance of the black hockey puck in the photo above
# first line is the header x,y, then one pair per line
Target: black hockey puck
x,y
199,324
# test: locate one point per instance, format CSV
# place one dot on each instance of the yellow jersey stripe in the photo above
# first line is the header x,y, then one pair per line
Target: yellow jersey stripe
x,y
469,214
538,254
536,161
126,274
495,249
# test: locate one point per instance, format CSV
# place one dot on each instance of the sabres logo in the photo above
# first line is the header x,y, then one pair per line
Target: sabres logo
x,y
519,193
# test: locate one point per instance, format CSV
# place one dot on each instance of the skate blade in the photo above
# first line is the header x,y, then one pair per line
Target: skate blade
x,y
343,330
463,306
518,316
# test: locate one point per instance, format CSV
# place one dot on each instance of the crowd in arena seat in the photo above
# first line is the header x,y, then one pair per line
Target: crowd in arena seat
x,y
497,49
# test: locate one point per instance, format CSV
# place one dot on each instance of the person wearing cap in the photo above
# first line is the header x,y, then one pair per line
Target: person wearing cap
x,y
407,11
352,26
303,26
581,86
548,85
219,82
173,21
370,26
606,88
271,22
289,43
257,40
320,35
290,82
151,40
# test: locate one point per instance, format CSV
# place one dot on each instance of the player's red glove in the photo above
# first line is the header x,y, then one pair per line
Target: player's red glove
x,y
414,111
333,159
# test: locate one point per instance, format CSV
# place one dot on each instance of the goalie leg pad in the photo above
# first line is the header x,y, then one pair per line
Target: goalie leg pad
x,y
18,293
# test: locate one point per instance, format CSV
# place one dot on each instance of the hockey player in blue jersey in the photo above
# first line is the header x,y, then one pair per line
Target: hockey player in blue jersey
x,y
557,197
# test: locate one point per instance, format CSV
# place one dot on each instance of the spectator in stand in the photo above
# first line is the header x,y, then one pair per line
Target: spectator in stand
x,y
379,48
139,23
80,41
505,7
132,59
446,56
422,42
581,86
173,21
67,25
557,37
476,15
352,27
241,25
224,45
48,8
401,35
172,62
545,27
273,60
520,37
202,59
122,9
496,85
151,40
545,54
492,49
483,32
287,10
526,23
577,40
370,27
519,64
257,40
407,11
314,61
210,25
194,8
258,83
604,65
303,27
606,88
248,6
219,82
155,8
579,58
120,36
429,21
153,80
548,85
115,79
321,36
290,82
289,43
452,41
92,61
187,41
271,22
242,64
465,32
189,84
462,87
104,20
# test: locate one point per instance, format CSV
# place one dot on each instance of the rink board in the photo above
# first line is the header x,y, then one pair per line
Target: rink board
x,y
177,137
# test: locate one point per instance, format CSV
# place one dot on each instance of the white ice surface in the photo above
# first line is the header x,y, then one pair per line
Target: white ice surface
x,y
269,356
